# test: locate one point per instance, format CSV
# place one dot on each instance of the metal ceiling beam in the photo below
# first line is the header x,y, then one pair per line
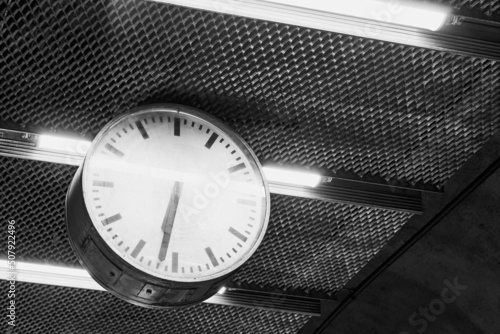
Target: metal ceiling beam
x,y
17,143
442,41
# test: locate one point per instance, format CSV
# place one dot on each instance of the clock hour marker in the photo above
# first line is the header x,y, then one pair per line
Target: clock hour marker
x,y
236,168
175,262
246,202
177,126
111,219
211,140
211,256
114,150
138,248
143,132
105,184
237,234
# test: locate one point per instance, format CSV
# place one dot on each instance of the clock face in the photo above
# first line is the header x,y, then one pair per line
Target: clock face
x,y
175,194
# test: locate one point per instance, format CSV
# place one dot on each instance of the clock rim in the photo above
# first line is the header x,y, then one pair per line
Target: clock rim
x,y
225,130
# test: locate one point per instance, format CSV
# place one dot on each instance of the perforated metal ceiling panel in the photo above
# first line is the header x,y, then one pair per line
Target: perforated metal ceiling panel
x,y
296,96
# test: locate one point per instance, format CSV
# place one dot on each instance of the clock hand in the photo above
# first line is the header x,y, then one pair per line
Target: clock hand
x,y
168,220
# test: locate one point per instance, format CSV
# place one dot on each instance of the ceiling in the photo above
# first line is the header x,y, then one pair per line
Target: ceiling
x,y
403,115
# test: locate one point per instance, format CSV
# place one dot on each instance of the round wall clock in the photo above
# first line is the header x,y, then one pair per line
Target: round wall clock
x,y
168,203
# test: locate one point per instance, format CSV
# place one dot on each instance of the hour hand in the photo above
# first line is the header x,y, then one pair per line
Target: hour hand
x,y
169,218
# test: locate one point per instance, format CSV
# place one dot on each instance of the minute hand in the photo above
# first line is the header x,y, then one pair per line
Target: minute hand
x,y
168,220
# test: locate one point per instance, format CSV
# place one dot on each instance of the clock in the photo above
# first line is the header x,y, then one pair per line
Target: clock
x,y
167,205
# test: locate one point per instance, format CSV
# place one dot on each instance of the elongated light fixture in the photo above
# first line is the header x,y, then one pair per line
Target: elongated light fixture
x,y
417,15
293,177
49,275
398,21
62,144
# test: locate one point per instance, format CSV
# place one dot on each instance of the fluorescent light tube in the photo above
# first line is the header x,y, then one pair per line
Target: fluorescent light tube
x,y
386,20
291,177
50,275
417,15
61,144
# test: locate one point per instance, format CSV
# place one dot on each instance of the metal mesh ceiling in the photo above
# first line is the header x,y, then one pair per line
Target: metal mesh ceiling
x,y
295,95
45,309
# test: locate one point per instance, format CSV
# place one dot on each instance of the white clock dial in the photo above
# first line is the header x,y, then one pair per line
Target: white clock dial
x,y
175,195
